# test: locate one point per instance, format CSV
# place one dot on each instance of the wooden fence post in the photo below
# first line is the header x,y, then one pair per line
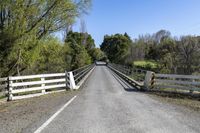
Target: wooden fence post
x,y
10,88
148,83
43,85
71,81
67,80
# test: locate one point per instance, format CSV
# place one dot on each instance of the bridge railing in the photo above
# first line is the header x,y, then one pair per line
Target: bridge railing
x,y
154,81
133,76
78,76
19,87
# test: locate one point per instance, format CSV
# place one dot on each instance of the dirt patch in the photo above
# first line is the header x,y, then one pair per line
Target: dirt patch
x,y
28,114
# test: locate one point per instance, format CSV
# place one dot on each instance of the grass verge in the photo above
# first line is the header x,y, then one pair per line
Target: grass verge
x,y
189,101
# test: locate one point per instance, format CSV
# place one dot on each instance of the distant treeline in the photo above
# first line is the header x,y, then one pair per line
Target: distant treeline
x,y
170,54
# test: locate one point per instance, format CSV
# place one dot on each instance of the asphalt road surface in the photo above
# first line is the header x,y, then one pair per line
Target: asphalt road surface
x,y
108,105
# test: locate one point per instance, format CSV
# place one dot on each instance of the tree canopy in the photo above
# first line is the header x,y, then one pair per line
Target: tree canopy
x,y
116,47
26,24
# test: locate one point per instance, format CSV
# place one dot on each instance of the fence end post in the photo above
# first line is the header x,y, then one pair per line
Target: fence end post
x,y
72,84
10,88
149,79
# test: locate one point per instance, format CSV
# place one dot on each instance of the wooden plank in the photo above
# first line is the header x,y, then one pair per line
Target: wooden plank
x,y
176,82
37,76
177,76
38,82
177,87
35,95
38,88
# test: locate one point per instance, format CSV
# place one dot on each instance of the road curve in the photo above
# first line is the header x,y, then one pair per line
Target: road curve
x,y
108,105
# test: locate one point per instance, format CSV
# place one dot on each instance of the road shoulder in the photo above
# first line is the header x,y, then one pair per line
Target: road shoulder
x,y
28,114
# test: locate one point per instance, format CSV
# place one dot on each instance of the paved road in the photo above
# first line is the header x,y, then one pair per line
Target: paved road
x,y
108,105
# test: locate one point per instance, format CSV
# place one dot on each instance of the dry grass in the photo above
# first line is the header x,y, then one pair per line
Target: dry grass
x,y
186,100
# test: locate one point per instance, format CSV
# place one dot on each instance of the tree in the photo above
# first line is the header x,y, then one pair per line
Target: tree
x,y
160,35
98,55
23,23
79,53
52,57
188,49
116,47
79,38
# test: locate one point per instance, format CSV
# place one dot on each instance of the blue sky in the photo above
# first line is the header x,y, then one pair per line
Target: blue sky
x,y
136,17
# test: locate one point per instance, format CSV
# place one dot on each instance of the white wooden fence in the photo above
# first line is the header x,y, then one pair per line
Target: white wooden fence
x,y
20,87
172,81
153,80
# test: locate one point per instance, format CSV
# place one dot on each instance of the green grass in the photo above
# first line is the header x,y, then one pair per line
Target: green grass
x,y
145,63
138,77
1,97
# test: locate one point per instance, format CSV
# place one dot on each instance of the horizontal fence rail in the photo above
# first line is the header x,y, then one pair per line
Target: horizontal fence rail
x,y
19,87
151,81
181,82
32,85
81,72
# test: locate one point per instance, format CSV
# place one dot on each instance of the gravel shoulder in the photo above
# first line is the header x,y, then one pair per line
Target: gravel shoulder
x,y
193,104
28,114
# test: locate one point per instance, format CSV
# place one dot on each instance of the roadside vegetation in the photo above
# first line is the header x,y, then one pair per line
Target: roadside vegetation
x,y
159,52
27,42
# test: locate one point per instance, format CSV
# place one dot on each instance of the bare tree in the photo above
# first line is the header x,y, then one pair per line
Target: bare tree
x,y
83,30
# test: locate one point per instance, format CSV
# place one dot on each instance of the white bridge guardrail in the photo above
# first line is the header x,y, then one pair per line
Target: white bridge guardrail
x,y
19,87
152,81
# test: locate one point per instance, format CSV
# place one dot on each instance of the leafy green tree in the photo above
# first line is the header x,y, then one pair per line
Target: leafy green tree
x,y
98,55
116,47
79,39
79,54
52,57
23,23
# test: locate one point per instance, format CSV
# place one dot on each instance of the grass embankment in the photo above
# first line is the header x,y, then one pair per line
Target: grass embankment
x,y
145,65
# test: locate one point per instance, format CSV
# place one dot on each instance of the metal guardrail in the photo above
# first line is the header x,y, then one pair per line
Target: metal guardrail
x,y
20,87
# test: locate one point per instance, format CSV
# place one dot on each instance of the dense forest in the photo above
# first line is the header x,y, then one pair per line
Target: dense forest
x,y
27,44
158,52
